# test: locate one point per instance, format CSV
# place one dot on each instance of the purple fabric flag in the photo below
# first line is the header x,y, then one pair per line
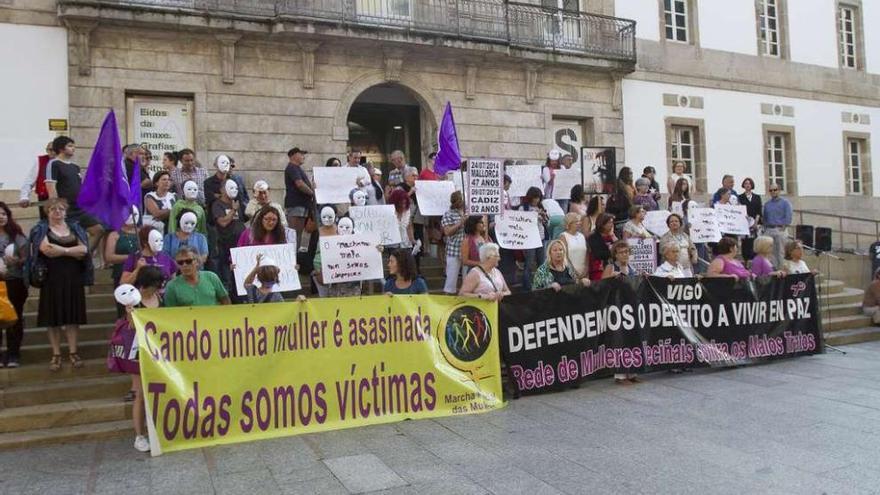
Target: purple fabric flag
x,y
105,191
448,154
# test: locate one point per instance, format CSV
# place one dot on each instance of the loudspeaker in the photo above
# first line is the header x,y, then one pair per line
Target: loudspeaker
x,y
804,233
823,239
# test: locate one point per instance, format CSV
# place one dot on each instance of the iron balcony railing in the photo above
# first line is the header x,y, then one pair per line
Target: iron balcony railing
x,y
519,25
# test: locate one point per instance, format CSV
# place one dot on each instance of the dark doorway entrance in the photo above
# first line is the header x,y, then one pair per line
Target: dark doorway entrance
x,y
385,118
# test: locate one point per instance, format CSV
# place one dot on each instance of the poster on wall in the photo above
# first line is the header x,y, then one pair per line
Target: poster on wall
x,y
484,186
600,169
567,138
161,123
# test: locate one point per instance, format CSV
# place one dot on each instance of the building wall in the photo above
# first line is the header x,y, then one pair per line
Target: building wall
x,y
33,90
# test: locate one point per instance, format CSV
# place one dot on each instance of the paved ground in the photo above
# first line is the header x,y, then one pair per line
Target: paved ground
x,y
810,425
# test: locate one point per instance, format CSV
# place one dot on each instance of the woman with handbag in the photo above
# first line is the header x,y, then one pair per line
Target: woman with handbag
x,y
13,246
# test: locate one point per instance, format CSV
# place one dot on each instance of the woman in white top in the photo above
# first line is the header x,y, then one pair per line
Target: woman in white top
x,y
687,251
158,203
677,173
575,244
634,228
485,281
671,266
794,263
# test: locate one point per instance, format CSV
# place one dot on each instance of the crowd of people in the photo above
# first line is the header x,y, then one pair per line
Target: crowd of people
x,y
175,250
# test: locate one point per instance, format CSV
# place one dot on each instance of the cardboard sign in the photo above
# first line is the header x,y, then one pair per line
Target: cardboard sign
x,y
518,230
643,255
655,222
732,219
349,258
378,220
484,187
433,196
703,227
522,177
564,180
600,169
334,184
245,258
552,207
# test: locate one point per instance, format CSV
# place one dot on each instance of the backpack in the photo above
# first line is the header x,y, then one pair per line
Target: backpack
x,y
40,184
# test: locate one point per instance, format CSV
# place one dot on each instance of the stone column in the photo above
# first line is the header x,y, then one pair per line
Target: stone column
x,y
82,34
308,63
532,73
393,63
227,55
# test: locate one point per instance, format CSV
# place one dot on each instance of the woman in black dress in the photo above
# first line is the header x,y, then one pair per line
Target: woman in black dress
x,y
68,269
754,208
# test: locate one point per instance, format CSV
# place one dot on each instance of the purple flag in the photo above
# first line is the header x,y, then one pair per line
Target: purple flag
x,y
105,191
448,155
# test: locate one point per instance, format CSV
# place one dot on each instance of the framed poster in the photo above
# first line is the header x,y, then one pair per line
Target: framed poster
x,y
600,169
161,123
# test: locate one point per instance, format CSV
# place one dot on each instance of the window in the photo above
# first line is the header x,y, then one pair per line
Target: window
x,y
856,182
769,28
683,148
676,15
776,162
850,37
686,142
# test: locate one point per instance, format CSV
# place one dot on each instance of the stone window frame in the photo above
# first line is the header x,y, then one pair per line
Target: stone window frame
x,y
867,182
858,25
781,28
693,33
699,180
790,156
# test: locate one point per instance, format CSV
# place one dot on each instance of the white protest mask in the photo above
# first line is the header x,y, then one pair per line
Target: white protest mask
x,y
345,226
133,218
231,189
188,222
222,163
328,216
127,295
155,241
359,198
190,190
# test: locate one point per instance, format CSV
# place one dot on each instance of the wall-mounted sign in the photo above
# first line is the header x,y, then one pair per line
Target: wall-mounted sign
x,y
161,123
58,125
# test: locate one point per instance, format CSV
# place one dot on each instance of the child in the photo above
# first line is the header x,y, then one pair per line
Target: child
x,y
266,271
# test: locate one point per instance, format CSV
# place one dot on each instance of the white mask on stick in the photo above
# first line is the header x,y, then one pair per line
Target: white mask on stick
x,y
223,164
190,190
345,226
328,217
188,222
133,218
127,295
231,189
155,241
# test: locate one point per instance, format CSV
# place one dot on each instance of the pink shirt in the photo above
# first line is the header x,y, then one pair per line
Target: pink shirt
x,y
734,268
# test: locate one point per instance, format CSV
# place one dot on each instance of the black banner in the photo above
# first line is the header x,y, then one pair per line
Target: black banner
x,y
552,340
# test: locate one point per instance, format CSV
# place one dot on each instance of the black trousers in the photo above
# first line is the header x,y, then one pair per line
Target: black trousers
x,y
18,295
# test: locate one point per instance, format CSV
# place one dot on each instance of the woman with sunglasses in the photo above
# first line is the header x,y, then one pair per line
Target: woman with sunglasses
x,y
194,287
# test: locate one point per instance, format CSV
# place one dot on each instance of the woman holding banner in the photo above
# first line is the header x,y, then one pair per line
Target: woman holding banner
x,y
761,265
575,245
687,251
671,267
556,272
726,264
619,267
486,281
599,243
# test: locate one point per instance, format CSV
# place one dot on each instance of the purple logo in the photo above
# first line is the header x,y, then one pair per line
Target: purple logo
x,y
798,288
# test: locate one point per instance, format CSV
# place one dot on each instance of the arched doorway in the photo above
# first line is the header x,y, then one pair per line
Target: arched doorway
x,y
387,117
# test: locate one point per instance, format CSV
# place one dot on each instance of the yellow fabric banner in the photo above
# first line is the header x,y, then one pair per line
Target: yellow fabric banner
x,y
216,375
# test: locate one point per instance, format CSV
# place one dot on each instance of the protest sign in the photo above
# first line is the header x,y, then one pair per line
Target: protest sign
x,y
678,208
433,196
334,184
655,222
518,230
484,186
522,177
552,340
349,258
600,169
732,219
378,220
564,180
457,178
245,258
552,207
643,255
703,227
227,374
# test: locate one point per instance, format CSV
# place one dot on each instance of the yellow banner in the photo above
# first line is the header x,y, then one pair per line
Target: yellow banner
x,y
216,375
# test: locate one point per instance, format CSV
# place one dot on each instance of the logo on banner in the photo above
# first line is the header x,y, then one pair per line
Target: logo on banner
x,y
468,334
798,288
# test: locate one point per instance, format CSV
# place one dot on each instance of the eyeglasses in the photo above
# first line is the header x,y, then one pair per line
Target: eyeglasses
x,y
774,190
188,261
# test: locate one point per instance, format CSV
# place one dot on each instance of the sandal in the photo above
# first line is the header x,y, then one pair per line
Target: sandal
x,y
75,360
55,363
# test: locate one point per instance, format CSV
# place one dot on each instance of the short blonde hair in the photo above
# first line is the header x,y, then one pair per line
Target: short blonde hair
x,y
553,243
668,246
763,245
571,217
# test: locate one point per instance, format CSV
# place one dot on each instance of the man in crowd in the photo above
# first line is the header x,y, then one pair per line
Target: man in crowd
x,y
134,153
726,183
36,179
213,185
189,170
299,195
194,287
777,218
395,176
363,179
261,199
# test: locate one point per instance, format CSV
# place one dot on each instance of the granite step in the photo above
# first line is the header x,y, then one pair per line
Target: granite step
x,y
69,413
65,434
853,336
38,372
109,386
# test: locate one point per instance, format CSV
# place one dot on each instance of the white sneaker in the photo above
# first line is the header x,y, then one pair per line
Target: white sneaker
x,y
141,443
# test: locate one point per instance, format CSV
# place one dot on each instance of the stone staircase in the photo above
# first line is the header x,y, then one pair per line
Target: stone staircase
x,y
842,318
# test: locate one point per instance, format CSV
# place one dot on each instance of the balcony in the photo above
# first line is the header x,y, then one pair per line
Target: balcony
x,y
517,26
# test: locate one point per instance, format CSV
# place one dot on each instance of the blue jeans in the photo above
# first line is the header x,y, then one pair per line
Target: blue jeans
x,y
533,257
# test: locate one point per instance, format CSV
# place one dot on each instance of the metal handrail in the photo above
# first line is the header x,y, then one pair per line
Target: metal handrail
x,y
838,229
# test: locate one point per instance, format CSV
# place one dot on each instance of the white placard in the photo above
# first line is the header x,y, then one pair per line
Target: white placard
x,y
349,258
245,258
643,255
703,227
567,138
433,196
518,230
457,178
484,186
163,123
522,177
334,184
564,180
732,219
655,222
552,207
678,208
378,220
